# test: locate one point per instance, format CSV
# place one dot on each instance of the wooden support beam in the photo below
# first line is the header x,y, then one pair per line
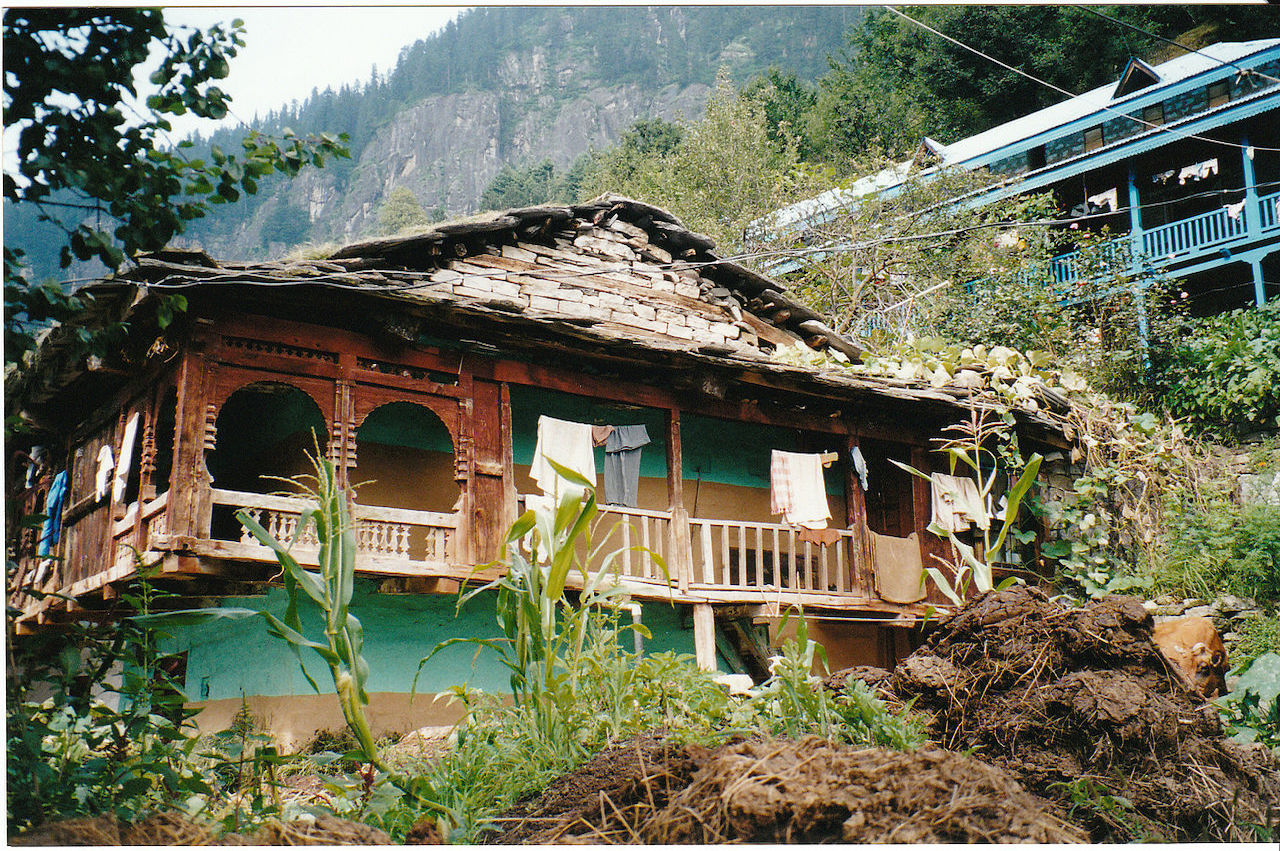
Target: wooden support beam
x,y
704,636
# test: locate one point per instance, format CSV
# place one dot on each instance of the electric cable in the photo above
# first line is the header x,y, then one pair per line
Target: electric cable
x,y
1179,45
1149,125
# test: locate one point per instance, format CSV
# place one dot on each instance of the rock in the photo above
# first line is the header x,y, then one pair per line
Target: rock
x,y
1166,599
1198,612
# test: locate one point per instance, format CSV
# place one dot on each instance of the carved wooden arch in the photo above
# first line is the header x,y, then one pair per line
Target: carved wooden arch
x,y
366,400
229,381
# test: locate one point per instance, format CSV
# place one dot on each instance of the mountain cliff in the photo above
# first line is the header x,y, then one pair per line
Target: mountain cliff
x,y
510,86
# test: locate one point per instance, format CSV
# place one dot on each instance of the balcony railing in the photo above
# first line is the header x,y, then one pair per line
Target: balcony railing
x,y
1178,241
395,540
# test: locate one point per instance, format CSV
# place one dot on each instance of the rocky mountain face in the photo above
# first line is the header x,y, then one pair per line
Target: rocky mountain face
x,y
500,86
447,148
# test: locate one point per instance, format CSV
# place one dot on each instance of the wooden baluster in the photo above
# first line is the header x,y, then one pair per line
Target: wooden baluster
x,y
646,561
759,555
245,536
792,585
840,547
724,575
708,557
824,577
626,546
742,554
777,561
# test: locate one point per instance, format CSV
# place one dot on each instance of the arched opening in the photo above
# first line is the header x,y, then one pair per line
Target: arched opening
x,y
265,431
404,459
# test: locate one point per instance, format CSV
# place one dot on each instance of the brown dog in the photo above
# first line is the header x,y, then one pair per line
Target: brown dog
x,y
1196,650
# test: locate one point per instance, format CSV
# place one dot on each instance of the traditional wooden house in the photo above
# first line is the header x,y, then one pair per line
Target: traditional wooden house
x,y
423,366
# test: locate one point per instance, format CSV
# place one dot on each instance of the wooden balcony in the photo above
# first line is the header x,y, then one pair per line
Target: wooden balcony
x,y
390,541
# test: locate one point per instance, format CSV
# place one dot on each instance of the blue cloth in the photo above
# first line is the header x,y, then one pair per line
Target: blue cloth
x,y
52,528
859,467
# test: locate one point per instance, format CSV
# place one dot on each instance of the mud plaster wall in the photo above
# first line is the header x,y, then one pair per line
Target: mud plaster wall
x,y
230,659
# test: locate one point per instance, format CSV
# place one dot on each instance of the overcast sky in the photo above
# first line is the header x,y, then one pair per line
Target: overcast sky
x,y
291,50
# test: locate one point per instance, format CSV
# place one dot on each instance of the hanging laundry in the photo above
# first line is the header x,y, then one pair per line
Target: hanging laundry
x,y
957,503
622,464
126,458
51,530
600,433
821,537
1235,210
797,490
106,463
899,568
569,445
859,467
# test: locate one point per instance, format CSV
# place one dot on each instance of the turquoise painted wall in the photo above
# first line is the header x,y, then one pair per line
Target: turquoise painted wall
x,y
734,453
722,451
228,659
528,403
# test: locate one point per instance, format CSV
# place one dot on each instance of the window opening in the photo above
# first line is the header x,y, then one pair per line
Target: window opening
x,y
1093,138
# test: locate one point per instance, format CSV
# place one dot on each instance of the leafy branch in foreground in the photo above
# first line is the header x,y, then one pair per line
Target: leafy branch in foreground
x,y
99,165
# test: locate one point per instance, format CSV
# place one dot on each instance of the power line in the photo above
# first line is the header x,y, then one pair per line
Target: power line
x,y
1147,124
1169,41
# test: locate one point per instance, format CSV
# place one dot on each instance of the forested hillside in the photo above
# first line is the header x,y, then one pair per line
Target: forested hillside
x,y
504,104
508,87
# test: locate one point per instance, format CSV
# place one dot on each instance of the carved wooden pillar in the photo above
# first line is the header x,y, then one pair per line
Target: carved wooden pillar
x,y
147,464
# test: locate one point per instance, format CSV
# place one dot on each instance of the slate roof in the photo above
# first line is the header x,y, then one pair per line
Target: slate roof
x,y
613,278
615,267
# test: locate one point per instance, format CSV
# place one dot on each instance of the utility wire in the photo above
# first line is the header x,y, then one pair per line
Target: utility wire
x,y
1147,124
1244,71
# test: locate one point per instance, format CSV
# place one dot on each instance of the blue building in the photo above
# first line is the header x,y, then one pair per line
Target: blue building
x,y
1182,159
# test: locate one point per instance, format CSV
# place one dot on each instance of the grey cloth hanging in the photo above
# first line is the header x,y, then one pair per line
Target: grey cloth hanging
x,y
859,467
622,465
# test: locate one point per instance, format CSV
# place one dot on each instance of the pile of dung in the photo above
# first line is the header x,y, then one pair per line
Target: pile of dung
x,y
637,773
172,828
788,791
1081,707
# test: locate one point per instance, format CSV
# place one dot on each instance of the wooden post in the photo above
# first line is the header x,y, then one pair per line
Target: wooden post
x,y
704,636
680,549
861,568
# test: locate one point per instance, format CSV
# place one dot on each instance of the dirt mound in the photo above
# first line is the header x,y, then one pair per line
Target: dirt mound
x,y
1080,706
808,791
172,828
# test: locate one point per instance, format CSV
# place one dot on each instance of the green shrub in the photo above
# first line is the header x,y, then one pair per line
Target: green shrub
x,y
1225,374
1221,548
1257,636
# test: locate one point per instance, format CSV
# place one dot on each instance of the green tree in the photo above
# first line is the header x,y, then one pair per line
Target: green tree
x,y
286,223
99,165
400,212
724,171
896,82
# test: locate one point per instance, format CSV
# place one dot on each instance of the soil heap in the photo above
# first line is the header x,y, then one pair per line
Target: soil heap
x,y
1081,707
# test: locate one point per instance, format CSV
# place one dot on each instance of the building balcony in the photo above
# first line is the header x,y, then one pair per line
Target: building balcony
x,y
1169,249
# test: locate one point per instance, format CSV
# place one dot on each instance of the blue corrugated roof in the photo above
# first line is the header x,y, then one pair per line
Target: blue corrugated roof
x,y
1020,134
1098,101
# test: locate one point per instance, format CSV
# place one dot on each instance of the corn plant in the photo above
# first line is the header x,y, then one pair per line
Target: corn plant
x,y
547,641
969,448
329,589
